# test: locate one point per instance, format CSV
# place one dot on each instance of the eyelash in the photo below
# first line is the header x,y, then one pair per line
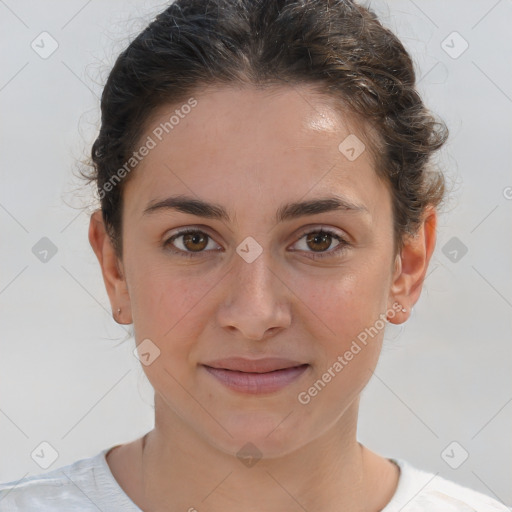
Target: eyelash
x,y
314,255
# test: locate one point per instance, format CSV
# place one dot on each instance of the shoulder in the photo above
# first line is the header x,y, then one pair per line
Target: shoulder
x,y
421,491
84,485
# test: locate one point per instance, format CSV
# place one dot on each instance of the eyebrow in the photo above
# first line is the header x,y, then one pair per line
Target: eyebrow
x,y
289,211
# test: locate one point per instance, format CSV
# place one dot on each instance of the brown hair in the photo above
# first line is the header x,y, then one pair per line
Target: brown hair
x,y
337,46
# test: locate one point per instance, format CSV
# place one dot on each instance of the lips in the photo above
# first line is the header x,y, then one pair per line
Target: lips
x,y
241,364
255,375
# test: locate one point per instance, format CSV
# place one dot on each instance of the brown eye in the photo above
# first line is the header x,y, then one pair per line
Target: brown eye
x,y
316,244
188,242
195,241
320,241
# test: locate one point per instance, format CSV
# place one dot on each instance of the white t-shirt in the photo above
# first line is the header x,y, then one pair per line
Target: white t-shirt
x,y
88,485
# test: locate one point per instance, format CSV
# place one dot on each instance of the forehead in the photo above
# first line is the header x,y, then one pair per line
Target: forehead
x,y
280,142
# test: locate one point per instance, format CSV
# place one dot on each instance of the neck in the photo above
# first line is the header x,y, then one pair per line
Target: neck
x,y
333,472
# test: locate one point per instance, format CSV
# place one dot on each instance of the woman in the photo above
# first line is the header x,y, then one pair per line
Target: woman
x,y
267,207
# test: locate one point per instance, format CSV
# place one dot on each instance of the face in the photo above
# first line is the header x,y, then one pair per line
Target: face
x,y
265,319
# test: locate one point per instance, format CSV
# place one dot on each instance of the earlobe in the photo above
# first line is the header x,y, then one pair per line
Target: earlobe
x,y
412,264
111,268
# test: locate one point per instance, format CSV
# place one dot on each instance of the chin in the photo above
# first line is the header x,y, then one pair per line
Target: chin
x,y
259,434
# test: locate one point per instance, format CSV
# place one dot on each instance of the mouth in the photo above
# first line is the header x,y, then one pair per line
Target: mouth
x,y
255,376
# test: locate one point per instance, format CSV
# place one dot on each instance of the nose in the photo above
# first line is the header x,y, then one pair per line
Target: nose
x,y
255,302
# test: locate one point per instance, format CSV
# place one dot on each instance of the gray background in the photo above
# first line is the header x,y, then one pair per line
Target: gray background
x,y
65,376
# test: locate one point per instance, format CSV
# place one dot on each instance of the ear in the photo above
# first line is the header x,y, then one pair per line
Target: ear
x,y
411,266
111,268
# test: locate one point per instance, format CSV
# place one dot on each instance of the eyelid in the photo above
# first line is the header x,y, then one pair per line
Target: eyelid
x,y
188,229
313,228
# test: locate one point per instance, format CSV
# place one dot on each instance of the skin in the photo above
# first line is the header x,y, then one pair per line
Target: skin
x,y
251,151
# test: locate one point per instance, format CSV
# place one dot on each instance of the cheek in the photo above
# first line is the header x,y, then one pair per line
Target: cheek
x,y
170,306
150,293
168,310
348,330
343,302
